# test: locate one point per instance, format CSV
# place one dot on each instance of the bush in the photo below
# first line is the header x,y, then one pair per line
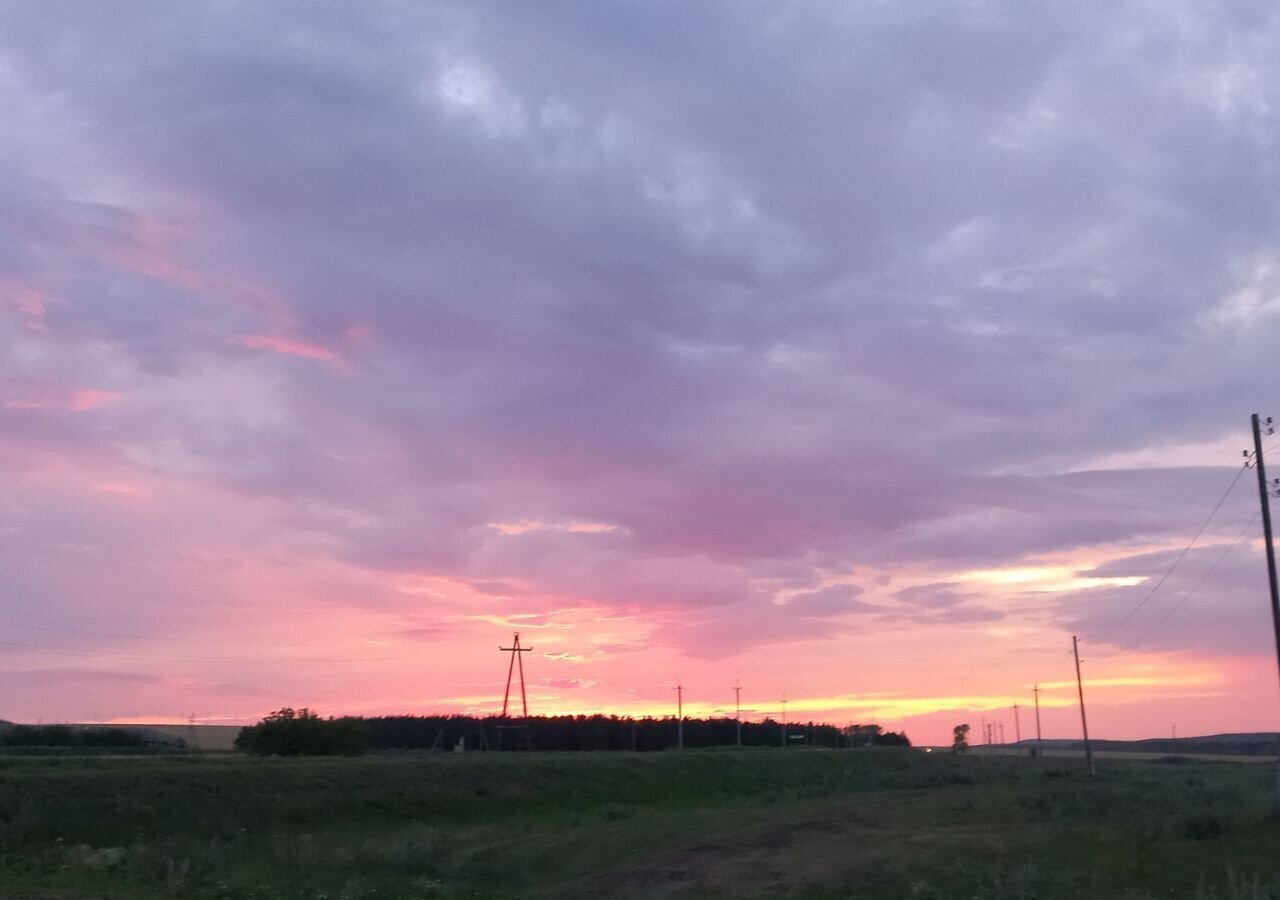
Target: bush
x,y
301,732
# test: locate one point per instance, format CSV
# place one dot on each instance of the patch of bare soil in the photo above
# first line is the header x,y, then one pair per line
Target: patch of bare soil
x,y
750,859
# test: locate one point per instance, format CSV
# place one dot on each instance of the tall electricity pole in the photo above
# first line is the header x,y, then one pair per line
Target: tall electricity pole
x,y
1017,726
1264,492
679,716
1036,692
1084,723
516,661
737,709
1264,497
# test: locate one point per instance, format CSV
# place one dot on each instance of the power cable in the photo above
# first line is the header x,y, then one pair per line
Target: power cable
x,y
1188,595
1185,550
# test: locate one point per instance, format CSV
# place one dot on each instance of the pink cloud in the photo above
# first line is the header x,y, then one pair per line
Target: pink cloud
x,y
118,487
50,395
153,248
31,303
568,684
90,398
359,332
287,346
157,266
147,246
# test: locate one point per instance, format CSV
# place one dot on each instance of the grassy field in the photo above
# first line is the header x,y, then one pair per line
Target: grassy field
x,y
816,825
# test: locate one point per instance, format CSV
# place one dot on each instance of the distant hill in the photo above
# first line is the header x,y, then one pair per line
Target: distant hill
x,y
197,737
1259,743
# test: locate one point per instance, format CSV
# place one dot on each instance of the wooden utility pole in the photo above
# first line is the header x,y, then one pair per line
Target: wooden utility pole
x,y
1017,726
1084,722
1264,497
1036,692
679,717
737,709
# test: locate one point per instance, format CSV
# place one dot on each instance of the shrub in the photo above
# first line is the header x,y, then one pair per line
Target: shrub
x,y
301,732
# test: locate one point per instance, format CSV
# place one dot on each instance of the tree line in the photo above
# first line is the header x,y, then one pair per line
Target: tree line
x,y
68,736
290,732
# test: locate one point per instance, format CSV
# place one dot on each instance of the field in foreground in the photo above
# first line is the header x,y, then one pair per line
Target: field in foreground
x,y
816,825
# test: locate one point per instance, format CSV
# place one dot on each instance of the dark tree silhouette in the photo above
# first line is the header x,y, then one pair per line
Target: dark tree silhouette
x,y
301,732
288,730
68,736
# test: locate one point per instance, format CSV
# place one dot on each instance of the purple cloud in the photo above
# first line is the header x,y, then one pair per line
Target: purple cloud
x,y
723,305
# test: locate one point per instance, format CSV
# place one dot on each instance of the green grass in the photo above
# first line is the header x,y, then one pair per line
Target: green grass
x,y
817,825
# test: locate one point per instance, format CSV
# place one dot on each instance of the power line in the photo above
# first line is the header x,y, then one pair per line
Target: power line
x,y
1185,550
1188,595
40,648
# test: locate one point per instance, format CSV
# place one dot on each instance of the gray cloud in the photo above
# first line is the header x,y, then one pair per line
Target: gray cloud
x,y
775,293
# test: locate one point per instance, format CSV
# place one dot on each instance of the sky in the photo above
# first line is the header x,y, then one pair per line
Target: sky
x,y
861,352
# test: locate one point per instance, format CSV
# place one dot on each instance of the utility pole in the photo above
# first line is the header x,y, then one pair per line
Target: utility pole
x,y
516,661
1036,692
1000,727
1017,726
1088,751
784,720
679,716
1264,497
737,709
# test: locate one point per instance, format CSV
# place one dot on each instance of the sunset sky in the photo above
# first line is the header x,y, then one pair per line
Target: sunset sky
x,y
860,351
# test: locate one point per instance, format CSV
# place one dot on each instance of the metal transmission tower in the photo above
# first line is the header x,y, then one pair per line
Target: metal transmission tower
x,y
516,661
1265,489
